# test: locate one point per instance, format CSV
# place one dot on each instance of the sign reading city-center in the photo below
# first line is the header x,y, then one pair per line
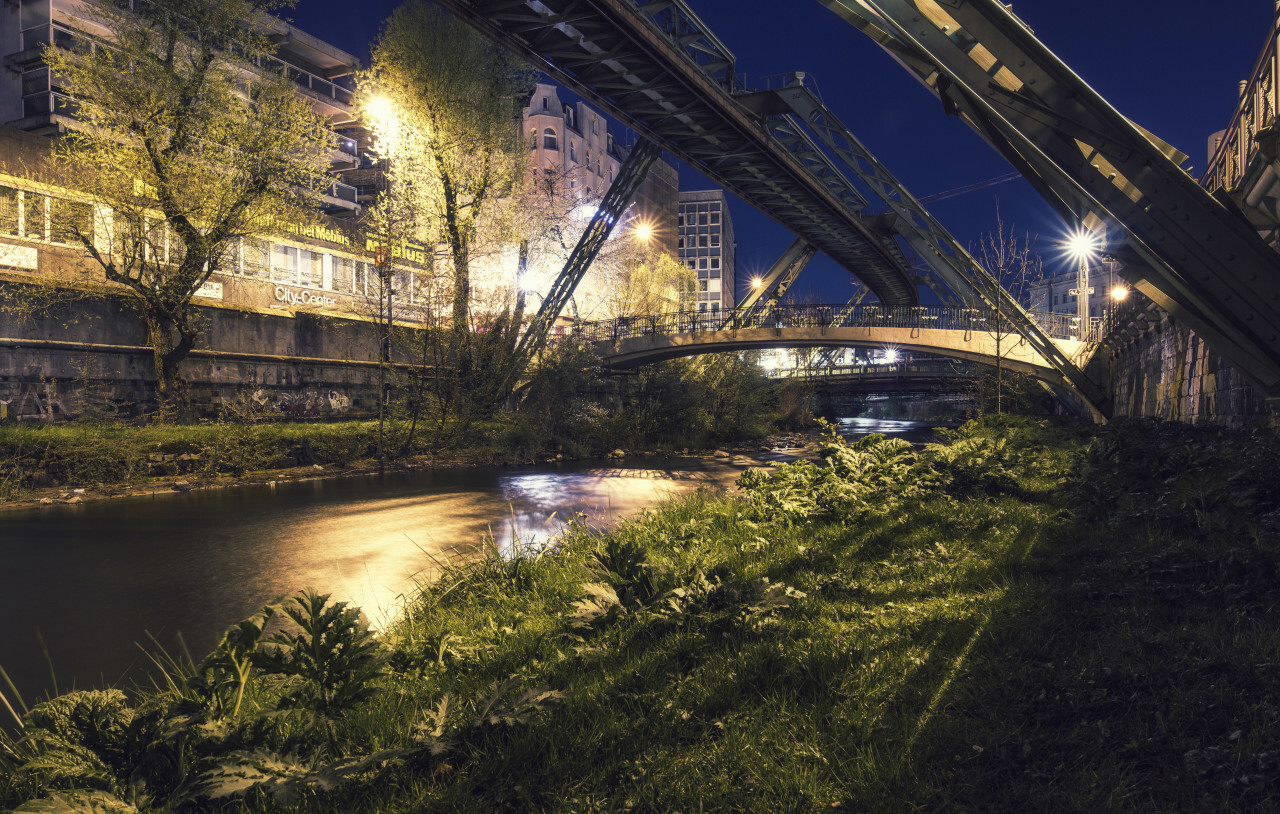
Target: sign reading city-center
x,y
294,296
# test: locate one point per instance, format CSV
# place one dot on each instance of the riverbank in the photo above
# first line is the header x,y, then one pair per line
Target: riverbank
x,y
1028,618
70,464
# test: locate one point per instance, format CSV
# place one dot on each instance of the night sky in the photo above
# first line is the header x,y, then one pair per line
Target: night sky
x,y
1172,66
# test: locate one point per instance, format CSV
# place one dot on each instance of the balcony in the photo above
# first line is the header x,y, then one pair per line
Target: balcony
x,y
318,85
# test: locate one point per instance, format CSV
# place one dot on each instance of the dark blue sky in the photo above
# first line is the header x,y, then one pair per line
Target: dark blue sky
x,y
1172,66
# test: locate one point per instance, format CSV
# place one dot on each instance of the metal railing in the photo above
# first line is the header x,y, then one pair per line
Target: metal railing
x,y
55,35
904,370
62,37
1255,111
947,318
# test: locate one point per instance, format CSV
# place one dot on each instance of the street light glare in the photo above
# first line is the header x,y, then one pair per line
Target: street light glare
x,y
644,232
757,282
1082,245
382,110
1119,293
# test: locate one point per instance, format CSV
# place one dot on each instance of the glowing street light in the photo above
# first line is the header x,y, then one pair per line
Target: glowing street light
x,y
644,232
382,111
1083,246
1119,293
757,282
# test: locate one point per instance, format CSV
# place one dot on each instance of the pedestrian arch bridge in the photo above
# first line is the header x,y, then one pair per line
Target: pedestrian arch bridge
x,y
971,334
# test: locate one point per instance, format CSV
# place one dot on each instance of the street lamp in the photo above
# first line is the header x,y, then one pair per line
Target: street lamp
x,y
1083,245
644,232
1119,293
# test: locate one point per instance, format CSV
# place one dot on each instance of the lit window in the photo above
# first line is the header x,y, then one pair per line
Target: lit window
x,y
549,141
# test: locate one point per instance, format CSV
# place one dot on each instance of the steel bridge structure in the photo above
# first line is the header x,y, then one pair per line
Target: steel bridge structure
x,y
654,65
976,335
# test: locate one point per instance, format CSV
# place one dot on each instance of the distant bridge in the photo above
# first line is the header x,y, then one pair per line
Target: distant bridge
x,y
971,334
917,376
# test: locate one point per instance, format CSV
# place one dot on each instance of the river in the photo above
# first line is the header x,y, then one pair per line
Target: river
x,y
92,580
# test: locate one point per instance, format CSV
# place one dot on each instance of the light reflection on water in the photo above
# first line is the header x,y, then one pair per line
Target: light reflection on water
x,y
95,578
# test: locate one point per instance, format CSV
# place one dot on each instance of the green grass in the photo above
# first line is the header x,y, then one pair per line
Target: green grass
x,y
1030,618
118,455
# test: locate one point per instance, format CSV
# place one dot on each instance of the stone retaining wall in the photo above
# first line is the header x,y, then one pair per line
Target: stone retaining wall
x,y
1157,367
90,358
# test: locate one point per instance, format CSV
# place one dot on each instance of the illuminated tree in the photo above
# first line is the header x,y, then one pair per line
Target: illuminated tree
x,y
184,146
457,101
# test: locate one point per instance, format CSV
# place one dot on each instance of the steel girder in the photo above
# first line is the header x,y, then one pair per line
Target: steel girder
x,y
615,202
950,262
773,285
1180,246
656,67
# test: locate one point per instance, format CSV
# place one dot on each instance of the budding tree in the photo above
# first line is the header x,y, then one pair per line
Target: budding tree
x,y
184,145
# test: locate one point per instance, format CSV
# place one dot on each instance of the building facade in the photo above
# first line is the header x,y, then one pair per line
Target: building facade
x,y
32,100
706,245
1054,294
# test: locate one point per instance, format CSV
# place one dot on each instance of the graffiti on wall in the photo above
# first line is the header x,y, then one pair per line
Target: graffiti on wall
x,y
306,404
33,401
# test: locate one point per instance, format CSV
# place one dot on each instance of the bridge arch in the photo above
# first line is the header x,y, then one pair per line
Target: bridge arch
x,y
964,334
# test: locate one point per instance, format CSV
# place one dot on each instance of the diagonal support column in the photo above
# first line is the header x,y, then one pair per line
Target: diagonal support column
x,y
950,261
773,286
633,170
1186,251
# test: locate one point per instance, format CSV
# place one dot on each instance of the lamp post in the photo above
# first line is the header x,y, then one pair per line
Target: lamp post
x,y
1082,246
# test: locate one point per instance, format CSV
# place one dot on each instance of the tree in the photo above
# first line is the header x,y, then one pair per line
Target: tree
x,y
1015,264
184,146
457,101
642,280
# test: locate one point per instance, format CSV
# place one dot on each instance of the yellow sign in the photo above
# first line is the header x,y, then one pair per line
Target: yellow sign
x,y
317,232
412,252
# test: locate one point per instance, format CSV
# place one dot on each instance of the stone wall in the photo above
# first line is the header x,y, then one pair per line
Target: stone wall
x,y
89,357
1157,367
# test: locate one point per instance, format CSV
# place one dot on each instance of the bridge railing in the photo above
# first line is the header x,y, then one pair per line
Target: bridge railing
x,y
1059,326
942,369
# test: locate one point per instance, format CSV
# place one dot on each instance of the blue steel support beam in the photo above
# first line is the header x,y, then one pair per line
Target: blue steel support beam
x,y
950,262
615,202
773,285
1193,256
656,67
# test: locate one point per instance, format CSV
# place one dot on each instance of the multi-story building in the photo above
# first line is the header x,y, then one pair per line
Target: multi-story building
x,y
576,152
707,246
32,100
320,266
573,150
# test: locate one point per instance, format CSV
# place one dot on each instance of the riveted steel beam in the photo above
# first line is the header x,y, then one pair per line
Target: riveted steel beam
x,y
615,202
1184,249
657,67
773,285
950,262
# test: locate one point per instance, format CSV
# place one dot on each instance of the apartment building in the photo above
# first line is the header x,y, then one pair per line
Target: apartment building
x,y
31,100
706,244
324,265
575,151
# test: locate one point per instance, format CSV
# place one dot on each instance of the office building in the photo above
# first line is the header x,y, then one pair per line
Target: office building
x,y
706,245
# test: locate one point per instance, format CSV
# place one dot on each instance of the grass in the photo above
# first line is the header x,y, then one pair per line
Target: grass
x,y
91,454
1030,618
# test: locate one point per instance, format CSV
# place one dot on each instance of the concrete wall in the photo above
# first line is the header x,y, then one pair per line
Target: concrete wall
x,y
1157,367
90,357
